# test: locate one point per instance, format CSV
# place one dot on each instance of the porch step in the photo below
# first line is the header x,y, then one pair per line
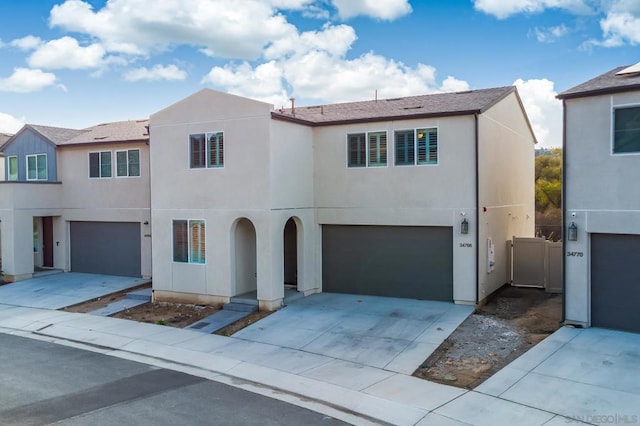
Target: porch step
x,y
216,321
239,307
143,294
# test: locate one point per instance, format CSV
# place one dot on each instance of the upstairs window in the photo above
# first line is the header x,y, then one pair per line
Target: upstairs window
x,y
418,146
100,164
128,163
37,167
626,131
13,167
206,150
367,149
189,241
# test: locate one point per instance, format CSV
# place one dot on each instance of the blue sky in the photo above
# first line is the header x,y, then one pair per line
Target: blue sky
x,y
75,63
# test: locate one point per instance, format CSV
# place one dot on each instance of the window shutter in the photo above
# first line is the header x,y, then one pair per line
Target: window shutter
x,y
105,164
180,241
427,146
197,241
378,148
197,150
121,163
94,165
134,162
216,149
405,147
356,150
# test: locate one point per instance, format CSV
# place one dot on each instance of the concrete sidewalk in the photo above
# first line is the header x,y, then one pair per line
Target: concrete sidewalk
x,y
525,393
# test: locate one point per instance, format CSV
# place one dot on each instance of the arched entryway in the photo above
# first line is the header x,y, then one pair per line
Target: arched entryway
x,y
290,235
245,257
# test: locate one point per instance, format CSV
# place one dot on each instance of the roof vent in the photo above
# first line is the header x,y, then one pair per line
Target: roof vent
x,y
633,69
413,107
98,138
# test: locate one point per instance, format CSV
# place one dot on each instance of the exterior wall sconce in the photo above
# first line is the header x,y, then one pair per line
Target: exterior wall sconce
x,y
146,222
464,226
572,232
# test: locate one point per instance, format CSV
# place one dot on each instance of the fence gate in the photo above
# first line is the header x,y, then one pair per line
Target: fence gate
x,y
535,262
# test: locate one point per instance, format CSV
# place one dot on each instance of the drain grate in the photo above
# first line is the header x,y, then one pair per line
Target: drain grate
x,y
200,325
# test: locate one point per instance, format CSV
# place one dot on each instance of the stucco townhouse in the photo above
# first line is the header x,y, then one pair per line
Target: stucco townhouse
x,y
602,200
76,200
410,197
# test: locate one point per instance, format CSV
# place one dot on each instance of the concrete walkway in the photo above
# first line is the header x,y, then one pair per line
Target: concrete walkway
x,y
574,374
59,290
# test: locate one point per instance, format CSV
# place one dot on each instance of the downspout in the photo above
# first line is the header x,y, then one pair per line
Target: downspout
x,y
477,203
564,208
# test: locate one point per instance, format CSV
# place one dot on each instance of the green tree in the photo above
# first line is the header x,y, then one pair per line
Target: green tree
x,y
548,181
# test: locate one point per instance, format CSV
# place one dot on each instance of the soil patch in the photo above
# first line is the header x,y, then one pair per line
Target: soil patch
x,y
514,320
177,315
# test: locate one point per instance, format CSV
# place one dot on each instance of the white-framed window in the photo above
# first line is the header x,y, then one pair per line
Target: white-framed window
x,y
128,163
12,162
415,147
206,150
626,130
189,241
367,149
37,167
100,164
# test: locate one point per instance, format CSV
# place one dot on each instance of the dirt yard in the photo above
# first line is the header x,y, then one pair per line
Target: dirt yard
x,y
179,315
512,321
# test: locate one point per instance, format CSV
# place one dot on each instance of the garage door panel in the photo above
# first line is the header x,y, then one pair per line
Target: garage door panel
x,y
615,281
111,248
408,262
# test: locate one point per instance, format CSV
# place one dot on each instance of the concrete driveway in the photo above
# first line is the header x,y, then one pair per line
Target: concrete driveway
x,y
59,290
590,375
386,333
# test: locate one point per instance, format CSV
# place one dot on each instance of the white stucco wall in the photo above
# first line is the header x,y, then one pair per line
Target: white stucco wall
x,y
426,195
602,195
506,187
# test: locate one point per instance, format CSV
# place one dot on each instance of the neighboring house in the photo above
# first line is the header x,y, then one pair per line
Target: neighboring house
x,y
412,197
76,200
602,200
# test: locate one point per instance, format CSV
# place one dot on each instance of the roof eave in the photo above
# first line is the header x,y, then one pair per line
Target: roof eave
x,y
597,92
277,116
116,142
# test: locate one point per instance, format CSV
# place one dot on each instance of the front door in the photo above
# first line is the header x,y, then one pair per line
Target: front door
x,y
47,241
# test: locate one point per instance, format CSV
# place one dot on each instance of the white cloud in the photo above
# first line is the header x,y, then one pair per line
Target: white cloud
x,y
25,80
550,34
502,9
381,9
621,24
236,29
157,72
333,39
66,53
27,43
543,109
10,124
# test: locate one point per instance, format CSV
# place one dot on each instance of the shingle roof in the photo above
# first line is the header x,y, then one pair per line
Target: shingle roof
x,y
441,104
608,82
4,137
119,131
57,135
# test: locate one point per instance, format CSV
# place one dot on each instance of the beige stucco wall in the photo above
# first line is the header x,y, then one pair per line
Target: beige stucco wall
x,y
220,196
602,195
506,188
426,195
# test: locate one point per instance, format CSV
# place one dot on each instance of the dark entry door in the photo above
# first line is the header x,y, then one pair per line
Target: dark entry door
x,y
47,241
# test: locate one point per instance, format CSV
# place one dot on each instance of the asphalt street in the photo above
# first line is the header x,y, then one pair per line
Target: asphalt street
x,y
43,383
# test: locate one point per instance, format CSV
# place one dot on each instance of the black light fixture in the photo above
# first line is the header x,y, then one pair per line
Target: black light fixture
x,y
464,226
146,222
572,232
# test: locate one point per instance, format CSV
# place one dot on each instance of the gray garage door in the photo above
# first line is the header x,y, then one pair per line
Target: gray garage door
x,y
394,261
615,281
111,248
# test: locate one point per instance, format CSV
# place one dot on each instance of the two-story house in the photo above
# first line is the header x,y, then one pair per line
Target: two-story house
x,y
602,200
76,200
412,197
